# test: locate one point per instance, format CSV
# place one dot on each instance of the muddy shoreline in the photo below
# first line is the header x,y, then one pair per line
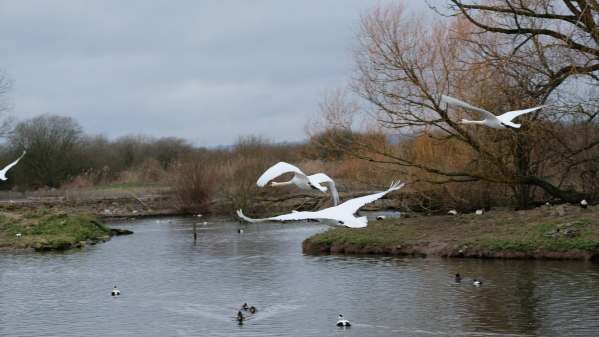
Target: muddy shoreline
x,y
444,250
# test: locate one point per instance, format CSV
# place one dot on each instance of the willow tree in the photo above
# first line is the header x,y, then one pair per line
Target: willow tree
x,y
404,65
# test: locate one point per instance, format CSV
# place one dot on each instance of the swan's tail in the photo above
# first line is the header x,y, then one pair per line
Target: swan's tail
x,y
363,220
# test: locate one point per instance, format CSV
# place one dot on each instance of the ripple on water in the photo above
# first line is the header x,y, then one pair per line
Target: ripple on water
x,y
172,286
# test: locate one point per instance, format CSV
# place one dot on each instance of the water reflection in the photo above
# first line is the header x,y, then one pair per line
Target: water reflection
x,y
173,287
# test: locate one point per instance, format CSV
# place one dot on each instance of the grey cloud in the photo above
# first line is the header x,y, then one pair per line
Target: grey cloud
x,y
207,71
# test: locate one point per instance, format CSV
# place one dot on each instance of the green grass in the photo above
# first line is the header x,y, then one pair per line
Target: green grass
x,y
531,237
42,229
495,232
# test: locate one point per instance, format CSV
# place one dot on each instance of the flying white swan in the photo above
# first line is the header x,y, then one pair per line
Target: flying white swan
x,y
9,166
341,215
300,179
492,121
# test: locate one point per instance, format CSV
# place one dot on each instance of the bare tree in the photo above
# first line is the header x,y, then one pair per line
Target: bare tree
x,y
549,49
404,65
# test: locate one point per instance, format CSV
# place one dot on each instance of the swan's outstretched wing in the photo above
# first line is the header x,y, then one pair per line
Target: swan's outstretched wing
x,y
9,166
454,101
353,205
321,178
294,216
277,170
510,115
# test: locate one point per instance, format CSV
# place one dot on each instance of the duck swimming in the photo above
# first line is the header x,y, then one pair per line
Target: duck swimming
x,y
342,322
245,307
253,309
477,283
240,317
458,278
115,291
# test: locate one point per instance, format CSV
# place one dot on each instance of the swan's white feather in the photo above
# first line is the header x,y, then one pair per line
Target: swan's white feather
x,y
510,115
9,166
353,205
342,214
277,170
454,101
321,178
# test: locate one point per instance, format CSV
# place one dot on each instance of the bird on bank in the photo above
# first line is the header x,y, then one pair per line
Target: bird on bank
x,y
452,212
341,215
342,322
479,211
9,166
490,120
584,203
299,179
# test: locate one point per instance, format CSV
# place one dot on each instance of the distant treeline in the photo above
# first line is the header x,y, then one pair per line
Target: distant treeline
x,y
58,152
61,155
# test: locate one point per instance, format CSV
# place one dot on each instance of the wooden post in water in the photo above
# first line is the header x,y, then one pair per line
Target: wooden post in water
x,y
195,232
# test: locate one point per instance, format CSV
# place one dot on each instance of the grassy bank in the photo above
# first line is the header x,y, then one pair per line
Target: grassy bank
x,y
559,232
43,229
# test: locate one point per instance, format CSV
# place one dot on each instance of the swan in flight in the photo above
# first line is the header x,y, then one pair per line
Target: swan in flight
x,y
492,121
300,179
8,167
341,215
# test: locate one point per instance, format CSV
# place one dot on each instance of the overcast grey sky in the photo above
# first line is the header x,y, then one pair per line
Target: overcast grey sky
x,y
207,71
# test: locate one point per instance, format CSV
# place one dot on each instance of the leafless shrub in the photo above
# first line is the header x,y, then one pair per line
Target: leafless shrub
x,y
196,182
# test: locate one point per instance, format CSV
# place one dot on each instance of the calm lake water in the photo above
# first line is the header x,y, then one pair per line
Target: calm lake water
x,y
171,287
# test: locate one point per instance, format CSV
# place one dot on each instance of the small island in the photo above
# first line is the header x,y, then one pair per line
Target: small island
x,y
45,229
551,232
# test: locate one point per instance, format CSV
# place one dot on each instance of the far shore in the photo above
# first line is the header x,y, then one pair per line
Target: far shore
x,y
547,232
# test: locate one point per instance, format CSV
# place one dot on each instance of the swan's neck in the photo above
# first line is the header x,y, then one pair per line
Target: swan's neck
x,y
274,183
467,121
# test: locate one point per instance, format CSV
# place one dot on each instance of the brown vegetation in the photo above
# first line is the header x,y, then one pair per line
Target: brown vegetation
x,y
494,56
